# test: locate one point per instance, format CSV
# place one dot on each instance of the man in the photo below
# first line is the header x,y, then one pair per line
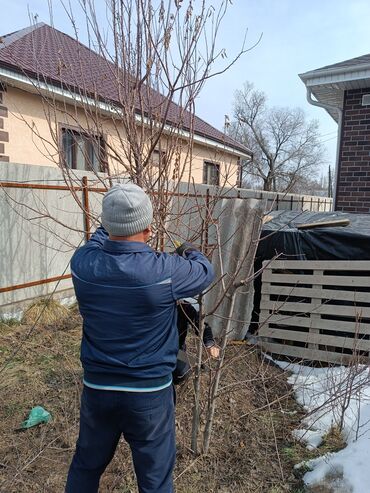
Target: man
x,y
188,314
127,295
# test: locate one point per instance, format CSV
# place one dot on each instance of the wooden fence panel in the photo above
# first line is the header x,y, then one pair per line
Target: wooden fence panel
x,y
316,310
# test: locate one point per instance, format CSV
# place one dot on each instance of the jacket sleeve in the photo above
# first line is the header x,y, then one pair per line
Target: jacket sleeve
x,y
190,275
208,338
98,238
187,313
96,241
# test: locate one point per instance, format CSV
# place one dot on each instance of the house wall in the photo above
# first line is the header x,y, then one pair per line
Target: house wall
x,y
4,135
32,137
353,184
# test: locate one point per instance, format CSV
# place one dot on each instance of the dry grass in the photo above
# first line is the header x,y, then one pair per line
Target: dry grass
x,y
45,312
253,422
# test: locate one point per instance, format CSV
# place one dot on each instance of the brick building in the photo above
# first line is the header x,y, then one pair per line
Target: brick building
x,y
343,89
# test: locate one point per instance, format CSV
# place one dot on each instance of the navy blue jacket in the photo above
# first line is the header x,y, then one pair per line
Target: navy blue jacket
x,y
127,296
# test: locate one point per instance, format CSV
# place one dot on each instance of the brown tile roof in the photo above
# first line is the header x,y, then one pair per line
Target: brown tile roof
x,y
44,52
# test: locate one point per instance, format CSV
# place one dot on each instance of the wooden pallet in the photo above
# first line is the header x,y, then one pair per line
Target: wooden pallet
x,y
316,310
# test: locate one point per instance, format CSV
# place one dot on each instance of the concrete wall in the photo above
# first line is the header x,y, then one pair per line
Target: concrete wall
x,y
33,129
34,246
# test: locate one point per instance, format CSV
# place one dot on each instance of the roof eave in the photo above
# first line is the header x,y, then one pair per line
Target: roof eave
x,y
328,85
340,78
334,71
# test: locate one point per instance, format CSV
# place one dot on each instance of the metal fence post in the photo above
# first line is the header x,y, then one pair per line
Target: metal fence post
x,y
86,208
206,231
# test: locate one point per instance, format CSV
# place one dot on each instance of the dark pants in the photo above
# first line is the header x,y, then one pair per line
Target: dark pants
x,y
146,421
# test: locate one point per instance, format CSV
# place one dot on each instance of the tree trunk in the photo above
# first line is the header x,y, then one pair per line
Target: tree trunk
x,y
216,381
198,369
267,183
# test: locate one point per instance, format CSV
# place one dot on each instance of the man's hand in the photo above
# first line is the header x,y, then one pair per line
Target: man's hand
x,y
184,248
213,351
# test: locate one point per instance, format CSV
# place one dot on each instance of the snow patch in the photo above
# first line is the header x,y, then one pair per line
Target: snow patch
x,y
337,396
312,438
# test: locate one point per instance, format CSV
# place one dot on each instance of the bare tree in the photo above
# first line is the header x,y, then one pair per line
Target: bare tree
x,y
138,110
316,185
286,147
134,96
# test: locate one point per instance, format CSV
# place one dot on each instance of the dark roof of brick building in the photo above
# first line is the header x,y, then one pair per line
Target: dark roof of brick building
x,y
47,54
352,62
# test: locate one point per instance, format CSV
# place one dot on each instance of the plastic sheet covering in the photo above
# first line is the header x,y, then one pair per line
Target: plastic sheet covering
x,y
280,235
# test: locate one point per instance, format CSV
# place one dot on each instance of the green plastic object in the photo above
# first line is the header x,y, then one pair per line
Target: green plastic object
x,y
37,415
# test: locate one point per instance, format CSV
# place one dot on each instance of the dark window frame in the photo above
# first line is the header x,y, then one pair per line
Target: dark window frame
x,y
160,155
88,139
206,165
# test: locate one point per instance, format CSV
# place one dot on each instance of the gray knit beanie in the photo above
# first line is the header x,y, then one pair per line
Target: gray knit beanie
x,y
127,210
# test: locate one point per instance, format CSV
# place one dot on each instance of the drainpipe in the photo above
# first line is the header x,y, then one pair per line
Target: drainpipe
x,y
340,121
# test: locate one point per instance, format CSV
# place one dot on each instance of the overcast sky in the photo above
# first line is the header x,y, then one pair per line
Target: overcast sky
x,y
297,36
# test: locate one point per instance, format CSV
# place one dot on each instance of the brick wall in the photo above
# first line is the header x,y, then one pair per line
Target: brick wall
x,y
353,186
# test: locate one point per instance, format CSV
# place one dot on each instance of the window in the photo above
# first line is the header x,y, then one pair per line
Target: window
x,y
158,158
81,151
211,173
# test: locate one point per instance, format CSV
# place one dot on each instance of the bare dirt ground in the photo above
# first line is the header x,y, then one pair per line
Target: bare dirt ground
x,y
251,451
